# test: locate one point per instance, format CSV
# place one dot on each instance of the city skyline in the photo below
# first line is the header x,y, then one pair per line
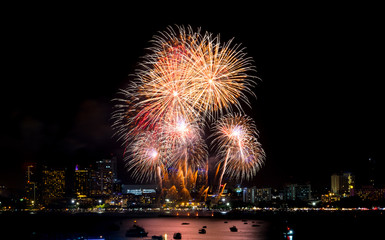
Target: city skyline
x,y
98,184
318,108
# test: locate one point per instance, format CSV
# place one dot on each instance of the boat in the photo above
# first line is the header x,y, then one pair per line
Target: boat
x,y
202,231
160,237
288,232
287,229
136,231
204,227
185,223
255,225
177,235
234,229
225,221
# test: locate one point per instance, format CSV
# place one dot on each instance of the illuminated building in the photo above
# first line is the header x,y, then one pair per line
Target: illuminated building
x,y
297,192
249,194
263,194
144,194
254,194
106,176
370,193
330,197
53,185
348,183
139,189
335,183
117,201
31,184
372,168
82,182
276,194
103,177
342,184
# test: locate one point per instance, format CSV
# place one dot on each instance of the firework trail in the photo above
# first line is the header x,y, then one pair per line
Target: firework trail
x,y
236,141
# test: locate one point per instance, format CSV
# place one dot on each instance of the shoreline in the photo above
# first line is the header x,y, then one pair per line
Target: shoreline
x,y
261,214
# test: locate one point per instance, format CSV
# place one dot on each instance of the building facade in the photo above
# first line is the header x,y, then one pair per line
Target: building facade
x,y
103,178
31,184
82,183
255,195
143,194
343,184
370,193
52,185
295,192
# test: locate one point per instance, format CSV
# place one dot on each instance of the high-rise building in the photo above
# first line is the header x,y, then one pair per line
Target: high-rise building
x,y
82,182
348,183
52,185
289,192
31,184
342,184
254,194
303,192
249,194
372,170
335,183
263,194
297,192
104,177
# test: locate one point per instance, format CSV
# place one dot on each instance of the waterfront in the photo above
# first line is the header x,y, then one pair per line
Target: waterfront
x,y
269,225
114,228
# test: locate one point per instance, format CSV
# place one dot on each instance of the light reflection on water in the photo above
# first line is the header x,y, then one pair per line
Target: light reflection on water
x,y
216,228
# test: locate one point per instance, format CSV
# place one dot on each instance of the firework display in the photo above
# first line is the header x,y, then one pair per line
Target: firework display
x,y
187,81
241,155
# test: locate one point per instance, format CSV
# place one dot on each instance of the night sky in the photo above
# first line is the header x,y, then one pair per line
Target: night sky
x,y
319,106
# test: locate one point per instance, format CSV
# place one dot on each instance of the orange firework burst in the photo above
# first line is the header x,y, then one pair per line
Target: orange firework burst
x,y
220,77
236,140
189,74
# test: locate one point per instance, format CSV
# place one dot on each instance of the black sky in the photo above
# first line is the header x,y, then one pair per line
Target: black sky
x,y
319,106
